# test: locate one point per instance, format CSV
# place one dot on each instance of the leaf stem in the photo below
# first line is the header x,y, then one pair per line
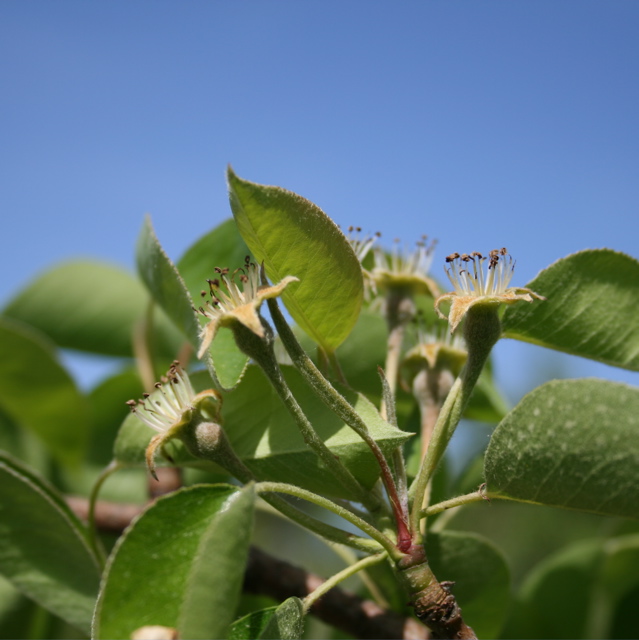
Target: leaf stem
x,y
458,501
298,492
261,350
333,581
111,468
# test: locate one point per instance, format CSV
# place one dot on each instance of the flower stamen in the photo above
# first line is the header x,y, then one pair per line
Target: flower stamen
x,y
475,283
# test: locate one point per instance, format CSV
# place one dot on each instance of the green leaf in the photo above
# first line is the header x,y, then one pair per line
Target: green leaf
x,y
591,308
575,592
480,574
222,247
108,402
44,549
555,599
165,284
285,621
16,612
295,237
89,306
180,565
250,626
266,438
570,443
37,392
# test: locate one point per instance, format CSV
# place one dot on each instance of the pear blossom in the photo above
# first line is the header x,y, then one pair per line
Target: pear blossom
x,y
239,303
171,407
404,269
474,284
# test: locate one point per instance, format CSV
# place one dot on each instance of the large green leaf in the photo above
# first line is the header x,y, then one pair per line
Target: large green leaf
x,y
591,308
179,565
37,392
222,247
570,443
44,549
575,592
295,237
90,306
165,284
285,622
480,574
266,438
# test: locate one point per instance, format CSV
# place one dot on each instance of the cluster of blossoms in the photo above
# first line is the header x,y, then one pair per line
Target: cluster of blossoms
x,y
239,303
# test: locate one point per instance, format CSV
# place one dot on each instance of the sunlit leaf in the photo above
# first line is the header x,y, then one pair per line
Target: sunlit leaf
x,y
570,443
591,308
165,284
295,237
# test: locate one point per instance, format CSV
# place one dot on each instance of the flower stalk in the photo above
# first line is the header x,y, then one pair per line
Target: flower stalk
x,y
260,349
338,404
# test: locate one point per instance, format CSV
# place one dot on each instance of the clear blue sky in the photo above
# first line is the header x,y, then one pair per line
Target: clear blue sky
x,y
483,124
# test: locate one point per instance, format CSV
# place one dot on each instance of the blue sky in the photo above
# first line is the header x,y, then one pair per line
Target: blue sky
x,y
482,124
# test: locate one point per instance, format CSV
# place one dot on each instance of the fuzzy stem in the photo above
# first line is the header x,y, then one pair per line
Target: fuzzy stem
x,y
481,331
298,492
333,581
111,468
261,350
457,501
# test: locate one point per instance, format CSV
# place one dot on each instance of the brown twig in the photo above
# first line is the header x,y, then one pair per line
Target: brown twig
x,y
267,575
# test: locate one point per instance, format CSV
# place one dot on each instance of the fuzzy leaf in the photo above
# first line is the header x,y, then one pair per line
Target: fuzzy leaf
x,y
179,565
44,549
591,308
570,443
285,622
295,237
165,283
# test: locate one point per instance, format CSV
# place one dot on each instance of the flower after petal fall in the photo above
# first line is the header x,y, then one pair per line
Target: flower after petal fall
x,y
476,285
171,407
397,270
405,270
239,303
